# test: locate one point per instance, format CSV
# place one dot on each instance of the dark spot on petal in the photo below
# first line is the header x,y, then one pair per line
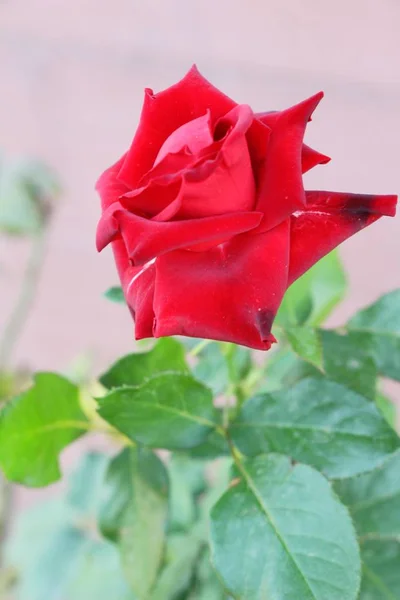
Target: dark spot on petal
x,y
264,320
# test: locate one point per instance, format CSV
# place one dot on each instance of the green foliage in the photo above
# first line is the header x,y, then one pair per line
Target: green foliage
x,y
57,551
380,324
115,294
374,503
282,533
311,299
317,422
36,425
170,411
219,365
134,514
143,524
187,483
134,369
27,190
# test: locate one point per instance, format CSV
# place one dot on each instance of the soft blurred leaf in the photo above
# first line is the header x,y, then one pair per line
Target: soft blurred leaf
x,y
282,533
186,483
135,514
214,446
374,503
212,368
134,369
172,411
175,578
380,322
208,586
35,426
27,189
380,572
311,298
69,559
317,422
115,294
387,408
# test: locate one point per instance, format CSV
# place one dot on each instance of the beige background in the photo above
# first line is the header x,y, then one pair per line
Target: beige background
x,y
72,75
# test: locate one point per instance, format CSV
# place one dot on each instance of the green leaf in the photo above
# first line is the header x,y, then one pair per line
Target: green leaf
x,y
374,503
69,558
214,446
86,484
187,482
306,342
345,358
116,495
142,534
317,422
387,408
381,323
282,533
134,513
172,411
374,499
135,369
115,294
348,360
212,368
381,573
312,298
36,426
208,586
175,578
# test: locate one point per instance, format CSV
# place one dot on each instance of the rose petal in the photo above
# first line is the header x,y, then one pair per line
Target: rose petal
x,y
216,181
281,191
225,184
310,158
328,220
109,187
195,135
230,293
146,239
163,113
138,284
161,198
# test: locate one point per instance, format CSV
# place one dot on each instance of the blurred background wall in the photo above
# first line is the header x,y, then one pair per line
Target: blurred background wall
x,y
72,75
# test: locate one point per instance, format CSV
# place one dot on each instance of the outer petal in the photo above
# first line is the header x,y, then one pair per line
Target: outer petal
x,y
146,239
281,190
138,284
309,157
109,187
328,220
230,293
163,113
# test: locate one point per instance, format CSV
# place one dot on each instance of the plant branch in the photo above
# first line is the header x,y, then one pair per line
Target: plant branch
x,y
24,302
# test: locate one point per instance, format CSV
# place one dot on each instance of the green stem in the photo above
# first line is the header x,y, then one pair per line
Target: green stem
x,y
199,347
24,302
8,341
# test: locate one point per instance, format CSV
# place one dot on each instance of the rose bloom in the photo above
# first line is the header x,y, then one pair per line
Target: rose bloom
x,y
208,217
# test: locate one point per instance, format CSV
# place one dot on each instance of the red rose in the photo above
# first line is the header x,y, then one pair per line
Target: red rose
x,y
208,216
